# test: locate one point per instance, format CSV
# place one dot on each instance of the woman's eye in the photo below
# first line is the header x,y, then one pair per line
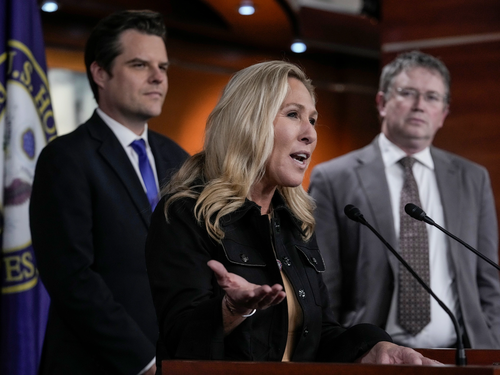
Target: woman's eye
x,y
312,121
293,114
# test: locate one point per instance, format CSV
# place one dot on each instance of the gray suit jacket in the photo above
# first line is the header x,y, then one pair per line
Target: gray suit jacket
x,y
360,270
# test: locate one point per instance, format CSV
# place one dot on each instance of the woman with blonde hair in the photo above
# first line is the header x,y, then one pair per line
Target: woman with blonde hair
x,y
235,220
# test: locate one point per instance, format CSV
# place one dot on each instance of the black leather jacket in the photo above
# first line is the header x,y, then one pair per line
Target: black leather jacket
x,y
188,298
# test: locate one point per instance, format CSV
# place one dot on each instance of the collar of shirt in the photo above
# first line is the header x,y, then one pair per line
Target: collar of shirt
x,y
125,135
391,153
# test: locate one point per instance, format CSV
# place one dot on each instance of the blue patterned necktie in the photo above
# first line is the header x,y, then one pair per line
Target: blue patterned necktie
x,y
414,311
148,177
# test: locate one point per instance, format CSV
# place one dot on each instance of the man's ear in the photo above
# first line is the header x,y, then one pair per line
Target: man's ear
x,y
380,100
99,75
446,111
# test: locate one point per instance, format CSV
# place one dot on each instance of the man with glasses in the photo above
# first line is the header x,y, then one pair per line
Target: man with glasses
x,y
365,281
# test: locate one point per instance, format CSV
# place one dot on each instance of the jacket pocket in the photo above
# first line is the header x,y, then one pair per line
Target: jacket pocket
x,y
313,266
241,254
313,256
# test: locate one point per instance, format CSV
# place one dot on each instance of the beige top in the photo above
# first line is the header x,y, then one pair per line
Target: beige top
x,y
295,316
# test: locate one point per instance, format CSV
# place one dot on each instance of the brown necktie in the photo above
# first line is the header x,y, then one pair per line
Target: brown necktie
x,y
414,311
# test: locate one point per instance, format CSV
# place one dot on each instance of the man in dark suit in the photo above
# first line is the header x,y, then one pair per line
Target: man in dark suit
x,y
92,199
362,276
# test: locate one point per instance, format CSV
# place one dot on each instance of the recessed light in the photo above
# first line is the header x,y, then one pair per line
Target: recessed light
x,y
246,8
50,6
298,46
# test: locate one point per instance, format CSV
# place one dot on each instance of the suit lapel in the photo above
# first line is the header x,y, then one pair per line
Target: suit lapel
x,y
448,180
158,153
371,173
448,177
113,153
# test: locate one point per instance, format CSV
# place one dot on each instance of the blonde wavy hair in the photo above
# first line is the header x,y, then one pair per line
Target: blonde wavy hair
x,y
239,139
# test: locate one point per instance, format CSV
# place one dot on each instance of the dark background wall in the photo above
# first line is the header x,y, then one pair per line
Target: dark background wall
x,y
344,58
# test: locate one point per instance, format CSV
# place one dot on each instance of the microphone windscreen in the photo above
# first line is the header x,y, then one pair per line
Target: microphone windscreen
x,y
414,211
352,212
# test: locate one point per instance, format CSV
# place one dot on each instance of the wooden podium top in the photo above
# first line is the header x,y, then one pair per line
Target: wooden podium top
x,y
474,356
480,362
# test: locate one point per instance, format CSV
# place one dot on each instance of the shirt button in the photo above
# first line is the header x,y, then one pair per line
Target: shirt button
x,y
314,260
244,258
302,294
287,261
306,331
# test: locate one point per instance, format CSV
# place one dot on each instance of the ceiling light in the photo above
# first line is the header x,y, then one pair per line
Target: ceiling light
x,y
298,46
50,6
246,8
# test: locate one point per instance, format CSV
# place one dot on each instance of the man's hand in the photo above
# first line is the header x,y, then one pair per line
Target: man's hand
x,y
386,353
244,296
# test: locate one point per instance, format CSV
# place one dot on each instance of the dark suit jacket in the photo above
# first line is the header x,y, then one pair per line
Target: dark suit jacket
x,y
89,217
360,270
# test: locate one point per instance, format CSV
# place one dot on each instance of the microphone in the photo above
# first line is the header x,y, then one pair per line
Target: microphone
x,y
354,214
417,213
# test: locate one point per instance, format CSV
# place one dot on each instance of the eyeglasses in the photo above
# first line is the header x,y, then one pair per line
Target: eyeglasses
x,y
430,97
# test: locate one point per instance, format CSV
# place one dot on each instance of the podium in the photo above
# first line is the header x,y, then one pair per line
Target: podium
x,y
480,362
477,357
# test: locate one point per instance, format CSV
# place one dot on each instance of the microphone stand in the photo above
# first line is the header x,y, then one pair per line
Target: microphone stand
x,y
354,214
417,213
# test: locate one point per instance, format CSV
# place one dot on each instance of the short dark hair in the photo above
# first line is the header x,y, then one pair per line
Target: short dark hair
x,y
103,44
410,60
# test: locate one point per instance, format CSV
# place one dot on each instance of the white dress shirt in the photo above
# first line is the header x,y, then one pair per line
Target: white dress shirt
x,y
440,331
126,137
